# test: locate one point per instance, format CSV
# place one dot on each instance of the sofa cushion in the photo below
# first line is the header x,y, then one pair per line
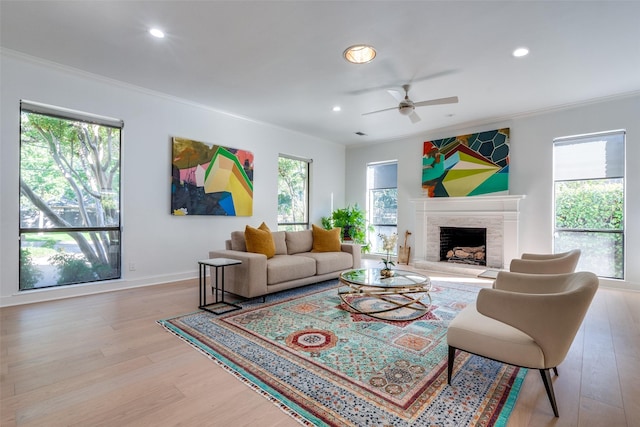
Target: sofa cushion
x,y
279,238
325,240
282,268
259,240
237,241
299,241
328,262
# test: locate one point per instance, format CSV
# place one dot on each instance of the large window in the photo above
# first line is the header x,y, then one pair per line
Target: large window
x,y
69,197
589,200
382,202
293,193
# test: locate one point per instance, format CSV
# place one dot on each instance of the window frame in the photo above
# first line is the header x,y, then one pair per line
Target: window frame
x,y
584,138
379,228
68,115
297,225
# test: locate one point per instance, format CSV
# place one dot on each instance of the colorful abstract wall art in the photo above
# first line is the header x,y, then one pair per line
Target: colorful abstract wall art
x,y
210,180
467,165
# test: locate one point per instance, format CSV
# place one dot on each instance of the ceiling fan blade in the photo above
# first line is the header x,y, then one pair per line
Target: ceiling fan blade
x,y
398,83
398,96
434,75
414,117
380,111
439,101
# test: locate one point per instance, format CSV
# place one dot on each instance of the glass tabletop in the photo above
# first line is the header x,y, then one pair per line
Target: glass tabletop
x,y
372,277
220,262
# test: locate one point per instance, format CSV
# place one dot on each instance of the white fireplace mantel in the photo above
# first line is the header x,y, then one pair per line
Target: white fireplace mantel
x,y
499,214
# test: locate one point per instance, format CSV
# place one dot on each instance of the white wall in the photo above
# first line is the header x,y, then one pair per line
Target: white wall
x,y
163,247
530,172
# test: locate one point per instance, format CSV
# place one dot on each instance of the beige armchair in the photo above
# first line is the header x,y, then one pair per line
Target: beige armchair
x,y
526,320
546,263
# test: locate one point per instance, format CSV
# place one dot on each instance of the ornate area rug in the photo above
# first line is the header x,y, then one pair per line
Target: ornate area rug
x,y
326,366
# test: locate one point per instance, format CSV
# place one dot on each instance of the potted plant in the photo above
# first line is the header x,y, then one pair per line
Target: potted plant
x,y
353,223
389,245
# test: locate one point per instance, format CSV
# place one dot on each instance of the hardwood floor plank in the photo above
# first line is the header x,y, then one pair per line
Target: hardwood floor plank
x,y
600,379
85,400
113,408
594,413
103,360
12,404
630,385
625,327
123,409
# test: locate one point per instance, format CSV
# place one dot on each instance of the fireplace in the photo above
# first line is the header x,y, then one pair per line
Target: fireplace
x,y
464,245
498,214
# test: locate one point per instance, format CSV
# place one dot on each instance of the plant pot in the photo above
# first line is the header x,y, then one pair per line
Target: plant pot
x,y
386,272
346,233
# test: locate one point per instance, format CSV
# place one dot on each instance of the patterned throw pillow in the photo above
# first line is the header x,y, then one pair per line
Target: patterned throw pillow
x,y
325,240
259,240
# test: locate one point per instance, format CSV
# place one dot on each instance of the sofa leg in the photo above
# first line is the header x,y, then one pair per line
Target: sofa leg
x,y
452,355
546,379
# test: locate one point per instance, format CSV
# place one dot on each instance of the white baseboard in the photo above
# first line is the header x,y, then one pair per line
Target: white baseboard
x,y
54,293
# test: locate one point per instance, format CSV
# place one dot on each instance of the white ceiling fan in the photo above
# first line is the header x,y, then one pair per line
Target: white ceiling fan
x,y
407,107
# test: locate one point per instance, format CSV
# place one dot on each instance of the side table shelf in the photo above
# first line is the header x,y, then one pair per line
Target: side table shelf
x,y
216,263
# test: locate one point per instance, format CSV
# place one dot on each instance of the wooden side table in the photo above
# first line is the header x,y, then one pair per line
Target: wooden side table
x,y
216,263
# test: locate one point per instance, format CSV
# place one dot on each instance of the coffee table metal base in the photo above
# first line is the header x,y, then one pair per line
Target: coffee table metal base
x,y
391,301
399,297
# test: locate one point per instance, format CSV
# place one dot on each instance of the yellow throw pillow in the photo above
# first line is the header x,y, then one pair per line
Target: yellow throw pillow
x,y
259,240
325,240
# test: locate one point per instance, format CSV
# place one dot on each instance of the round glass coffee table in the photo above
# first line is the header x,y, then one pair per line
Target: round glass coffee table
x,y
367,292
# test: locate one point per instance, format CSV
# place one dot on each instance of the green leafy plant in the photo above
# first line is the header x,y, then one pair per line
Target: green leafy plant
x,y
595,205
353,224
29,273
74,268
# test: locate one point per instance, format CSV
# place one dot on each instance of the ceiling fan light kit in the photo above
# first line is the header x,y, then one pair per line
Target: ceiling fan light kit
x,y
407,107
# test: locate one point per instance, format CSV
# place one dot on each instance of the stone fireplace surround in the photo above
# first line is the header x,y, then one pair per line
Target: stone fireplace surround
x,y
498,214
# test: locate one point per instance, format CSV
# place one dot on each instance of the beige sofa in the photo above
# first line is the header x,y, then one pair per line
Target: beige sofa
x,y
293,265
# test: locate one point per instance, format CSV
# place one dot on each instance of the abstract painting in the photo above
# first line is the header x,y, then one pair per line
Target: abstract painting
x,y
210,179
467,165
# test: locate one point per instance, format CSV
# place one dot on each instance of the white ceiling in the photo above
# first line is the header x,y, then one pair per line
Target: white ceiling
x,y
280,62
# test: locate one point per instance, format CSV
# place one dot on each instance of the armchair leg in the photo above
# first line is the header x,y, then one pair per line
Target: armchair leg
x,y
452,355
548,385
555,371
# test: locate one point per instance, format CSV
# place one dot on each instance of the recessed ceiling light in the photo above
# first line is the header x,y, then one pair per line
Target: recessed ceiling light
x,y
337,108
156,32
520,52
359,54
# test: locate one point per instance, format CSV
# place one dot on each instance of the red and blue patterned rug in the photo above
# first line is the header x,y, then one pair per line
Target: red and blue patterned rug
x,y
326,366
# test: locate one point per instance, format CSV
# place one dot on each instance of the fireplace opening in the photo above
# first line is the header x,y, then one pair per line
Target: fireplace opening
x,y
463,245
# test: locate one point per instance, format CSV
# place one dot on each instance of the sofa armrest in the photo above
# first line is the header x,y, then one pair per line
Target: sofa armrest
x,y
531,283
248,279
542,266
355,250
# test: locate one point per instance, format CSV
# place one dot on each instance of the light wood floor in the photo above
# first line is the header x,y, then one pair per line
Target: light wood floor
x,y
103,360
